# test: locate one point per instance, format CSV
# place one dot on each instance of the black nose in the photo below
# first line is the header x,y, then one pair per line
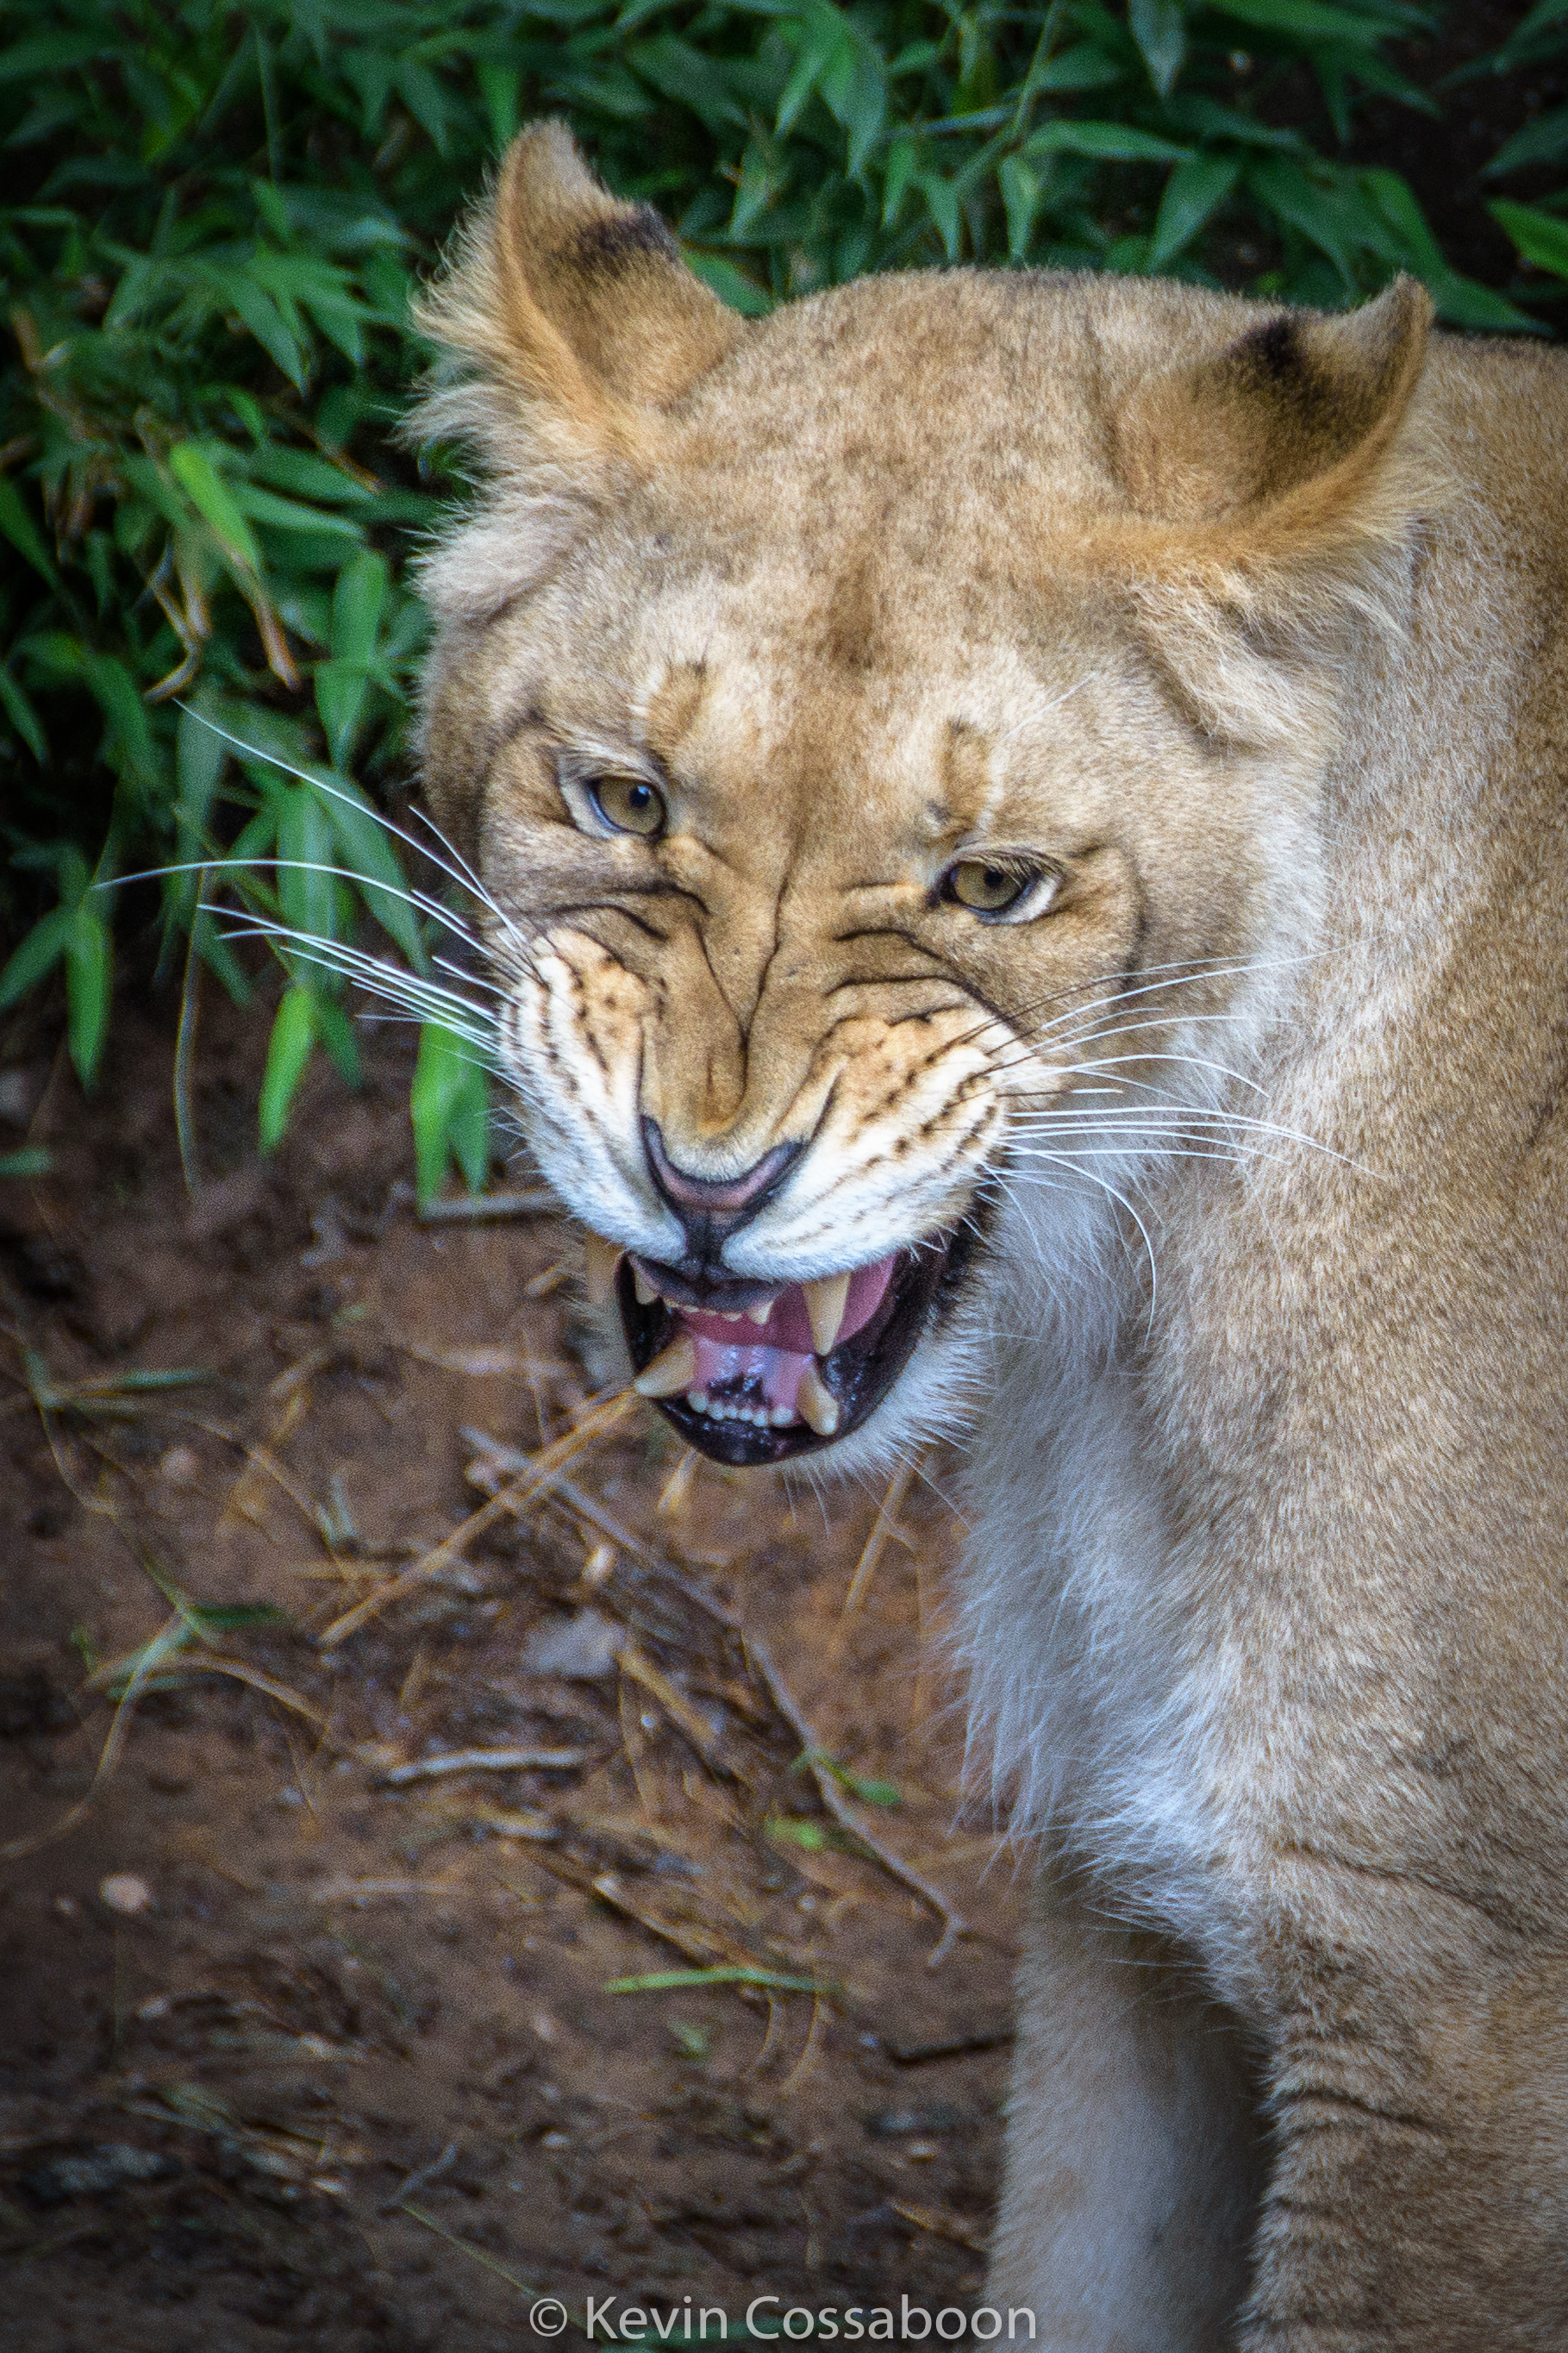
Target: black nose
x,y
710,1211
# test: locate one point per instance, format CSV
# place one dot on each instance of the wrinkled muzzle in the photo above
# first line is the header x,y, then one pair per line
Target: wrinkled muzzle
x,y
769,1298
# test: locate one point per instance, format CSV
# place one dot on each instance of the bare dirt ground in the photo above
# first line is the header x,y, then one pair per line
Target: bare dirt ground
x,y
336,2061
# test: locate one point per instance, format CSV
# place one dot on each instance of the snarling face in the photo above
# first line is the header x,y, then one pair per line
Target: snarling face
x,y
878,784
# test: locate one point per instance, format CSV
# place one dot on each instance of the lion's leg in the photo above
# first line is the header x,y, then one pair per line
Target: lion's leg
x,y
1133,2168
1418,2094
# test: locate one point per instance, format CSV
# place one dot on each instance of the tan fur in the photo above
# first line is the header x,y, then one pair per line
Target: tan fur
x,y
1250,625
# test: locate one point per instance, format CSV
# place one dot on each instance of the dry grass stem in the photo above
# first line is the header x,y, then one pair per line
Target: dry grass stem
x,y
496,1463
485,1208
807,2060
942,2225
485,1761
679,1708
676,1489
603,1417
876,1543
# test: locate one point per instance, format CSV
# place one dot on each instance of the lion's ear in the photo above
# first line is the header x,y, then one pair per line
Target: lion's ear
x,y
576,311
1274,487
1284,430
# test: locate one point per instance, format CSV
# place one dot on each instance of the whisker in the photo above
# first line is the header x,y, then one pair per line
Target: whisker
x,y
459,872
1106,1187
417,898
423,999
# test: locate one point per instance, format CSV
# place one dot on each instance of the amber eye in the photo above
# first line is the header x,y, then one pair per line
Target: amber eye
x,y
987,889
628,805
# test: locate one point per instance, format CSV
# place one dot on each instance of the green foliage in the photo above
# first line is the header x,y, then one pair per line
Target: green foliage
x,y
1538,231
205,641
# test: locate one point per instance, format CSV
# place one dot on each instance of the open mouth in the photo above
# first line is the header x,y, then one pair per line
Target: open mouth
x,y
752,1372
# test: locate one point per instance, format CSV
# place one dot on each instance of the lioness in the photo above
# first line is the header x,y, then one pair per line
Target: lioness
x,y
1025,822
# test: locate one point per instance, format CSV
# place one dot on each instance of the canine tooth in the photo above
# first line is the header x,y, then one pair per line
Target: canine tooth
x,y
647,1291
760,1312
670,1371
825,1303
600,1260
815,1403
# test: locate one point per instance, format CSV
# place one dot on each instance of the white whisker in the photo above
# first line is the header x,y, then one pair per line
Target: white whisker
x,y
459,872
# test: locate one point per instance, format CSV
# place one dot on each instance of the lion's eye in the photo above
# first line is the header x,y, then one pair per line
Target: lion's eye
x,y
628,805
987,889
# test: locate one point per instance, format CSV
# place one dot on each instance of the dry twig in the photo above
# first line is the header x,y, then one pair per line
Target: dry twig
x,y
954,1925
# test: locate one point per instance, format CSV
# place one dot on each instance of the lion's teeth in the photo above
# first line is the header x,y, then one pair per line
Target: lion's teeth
x,y
601,1259
825,1303
815,1403
761,1312
674,1368
645,1290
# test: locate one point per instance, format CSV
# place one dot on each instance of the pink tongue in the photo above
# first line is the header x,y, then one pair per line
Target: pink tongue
x,y
769,1375
770,1358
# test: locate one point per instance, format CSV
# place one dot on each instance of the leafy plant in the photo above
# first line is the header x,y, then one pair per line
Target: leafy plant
x,y
1539,232
207,643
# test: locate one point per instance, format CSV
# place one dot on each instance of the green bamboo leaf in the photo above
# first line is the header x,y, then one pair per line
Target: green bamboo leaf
x,y
50,53
1110,143
941,198
89,987
37,957
1194,194
426,100
1544,140
130,731
22,531
30,1160
449,1106
1085,66
306,853
1306,20
1159,27
23,717
292,514
341,688
1530,39
729,282
1021,191
677,70
214,501
1541,237
201,755
288,1054
336,1033
359,600
260,314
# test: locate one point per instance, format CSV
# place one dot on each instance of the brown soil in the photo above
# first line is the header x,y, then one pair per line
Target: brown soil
x,y
359,2041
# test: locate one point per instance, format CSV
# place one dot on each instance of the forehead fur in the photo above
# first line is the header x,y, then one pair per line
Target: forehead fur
x,y
938,423
932,473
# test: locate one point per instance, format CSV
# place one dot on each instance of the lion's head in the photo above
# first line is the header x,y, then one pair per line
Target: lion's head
x,y
891,734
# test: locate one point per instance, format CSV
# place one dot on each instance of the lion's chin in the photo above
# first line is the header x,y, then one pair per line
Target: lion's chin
x,y
749,1372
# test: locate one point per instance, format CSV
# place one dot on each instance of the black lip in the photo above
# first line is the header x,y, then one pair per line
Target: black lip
x,y
859,1373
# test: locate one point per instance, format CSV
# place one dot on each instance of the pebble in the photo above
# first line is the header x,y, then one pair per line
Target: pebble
x,y
123,1891
180,1467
